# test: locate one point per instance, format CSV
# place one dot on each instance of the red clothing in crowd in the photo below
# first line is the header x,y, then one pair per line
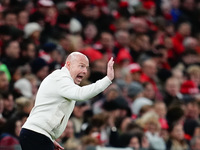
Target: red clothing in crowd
x,y
145,78
178,47
165,65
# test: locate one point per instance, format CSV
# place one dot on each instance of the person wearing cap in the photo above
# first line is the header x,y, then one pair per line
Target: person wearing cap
x,y
56,99
135,90
40,68
50,53
135,71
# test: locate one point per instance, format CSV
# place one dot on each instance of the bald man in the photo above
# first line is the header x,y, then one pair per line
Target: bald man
x,y
55,102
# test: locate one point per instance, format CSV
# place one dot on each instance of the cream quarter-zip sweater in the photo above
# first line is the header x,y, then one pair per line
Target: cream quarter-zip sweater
x,y
55,102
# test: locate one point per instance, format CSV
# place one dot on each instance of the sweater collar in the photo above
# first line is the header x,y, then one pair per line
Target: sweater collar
x,y
65,70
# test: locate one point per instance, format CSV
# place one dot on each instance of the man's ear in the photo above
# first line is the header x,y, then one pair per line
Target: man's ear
x,y
68,64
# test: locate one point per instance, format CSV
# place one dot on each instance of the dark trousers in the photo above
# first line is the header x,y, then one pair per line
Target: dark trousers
x,y
31,140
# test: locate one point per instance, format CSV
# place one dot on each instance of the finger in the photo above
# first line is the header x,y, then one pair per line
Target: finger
x,y
111,60
111,64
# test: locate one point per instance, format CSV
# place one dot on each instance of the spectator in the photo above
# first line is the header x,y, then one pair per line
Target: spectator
x,y
49,53
189,58
189,88
150,124
134,91
68,137
32,31
190,43
22,19
88,142
11,55
90,33
179,75
24,105
161,109
10,18
135,71
40,68
194,143
34,83
28,52
193,74
4,68
9,105
188,10
172,91
75,26
23,87
106,44
149,71
10,134
175,113
2,119
122,41
183,31
98,69
78,116
64,42
148,91
130,140
76,43
110,94
138,104
136,48
177,140
4,83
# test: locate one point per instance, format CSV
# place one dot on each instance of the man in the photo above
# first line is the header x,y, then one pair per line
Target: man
x,y
11,56
55,101
4,82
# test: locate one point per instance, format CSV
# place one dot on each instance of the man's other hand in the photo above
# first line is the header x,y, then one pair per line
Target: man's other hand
x,y
110,70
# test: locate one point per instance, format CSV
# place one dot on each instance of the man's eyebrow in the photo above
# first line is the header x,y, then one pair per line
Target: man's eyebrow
x,y
83,64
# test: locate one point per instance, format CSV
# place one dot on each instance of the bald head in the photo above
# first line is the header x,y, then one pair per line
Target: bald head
x,y
77,64
149,67
74,56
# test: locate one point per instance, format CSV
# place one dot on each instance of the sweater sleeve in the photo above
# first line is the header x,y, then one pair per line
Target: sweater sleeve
x,y
68,89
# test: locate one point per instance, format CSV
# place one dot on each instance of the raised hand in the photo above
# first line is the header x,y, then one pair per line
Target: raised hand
x,y
110,70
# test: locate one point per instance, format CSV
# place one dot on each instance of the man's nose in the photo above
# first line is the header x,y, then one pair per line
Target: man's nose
x,y
85,70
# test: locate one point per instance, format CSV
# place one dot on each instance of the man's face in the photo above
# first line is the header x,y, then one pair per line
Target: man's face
x,y
13,50
4,83
78,68
31,51
172,87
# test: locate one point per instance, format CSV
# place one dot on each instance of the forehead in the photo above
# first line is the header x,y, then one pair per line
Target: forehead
x,y
82,59
2,75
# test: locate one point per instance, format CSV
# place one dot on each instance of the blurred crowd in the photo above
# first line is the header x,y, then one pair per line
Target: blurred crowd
x,y
154,101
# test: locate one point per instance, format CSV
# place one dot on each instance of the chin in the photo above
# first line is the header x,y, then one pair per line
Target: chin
x,y
77,83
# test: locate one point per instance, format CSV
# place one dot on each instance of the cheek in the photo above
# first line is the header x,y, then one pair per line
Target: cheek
x,y
74,72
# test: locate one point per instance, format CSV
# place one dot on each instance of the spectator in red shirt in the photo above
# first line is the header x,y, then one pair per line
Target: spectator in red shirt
x,y
184,30
149,70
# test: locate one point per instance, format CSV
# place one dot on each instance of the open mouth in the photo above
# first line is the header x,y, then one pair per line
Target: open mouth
x,y
79,77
